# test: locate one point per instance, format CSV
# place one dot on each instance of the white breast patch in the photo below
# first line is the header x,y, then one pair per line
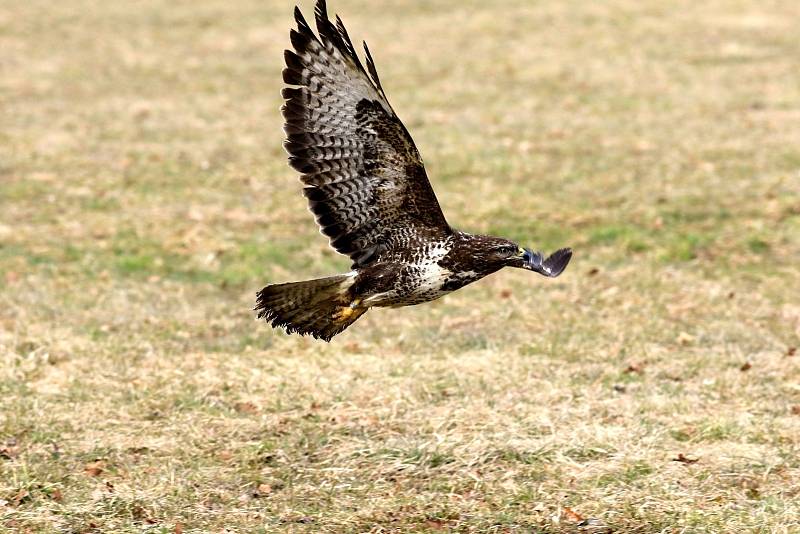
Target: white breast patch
x,y
431,275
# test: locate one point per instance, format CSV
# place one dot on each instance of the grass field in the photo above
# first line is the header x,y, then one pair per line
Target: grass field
x,y
145,198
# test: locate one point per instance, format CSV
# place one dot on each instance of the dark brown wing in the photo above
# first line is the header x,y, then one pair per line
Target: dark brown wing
x,y
363,176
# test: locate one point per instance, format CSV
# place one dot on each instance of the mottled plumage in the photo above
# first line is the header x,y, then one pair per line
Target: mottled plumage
x,y
366,184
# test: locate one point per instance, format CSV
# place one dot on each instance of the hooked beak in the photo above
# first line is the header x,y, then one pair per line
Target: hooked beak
x,y
551,266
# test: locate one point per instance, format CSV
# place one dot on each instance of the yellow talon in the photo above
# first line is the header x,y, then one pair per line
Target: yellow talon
x,y
345,312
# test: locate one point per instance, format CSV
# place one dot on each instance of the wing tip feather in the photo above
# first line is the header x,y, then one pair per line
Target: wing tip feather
x,y
373,72
337,36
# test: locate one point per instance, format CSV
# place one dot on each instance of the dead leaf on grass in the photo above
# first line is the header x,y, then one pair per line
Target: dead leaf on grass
x,y
684,338
571,515
637,368
796,409
95,468
746,366
245,407
750,487
436,524
791,351
303,520
140,514
262,490
10,452
685,459
21,496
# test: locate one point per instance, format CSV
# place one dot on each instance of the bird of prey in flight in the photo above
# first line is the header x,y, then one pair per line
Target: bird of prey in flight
x,y
366,184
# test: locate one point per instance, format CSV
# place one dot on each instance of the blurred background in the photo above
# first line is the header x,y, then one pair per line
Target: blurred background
x,y
145,198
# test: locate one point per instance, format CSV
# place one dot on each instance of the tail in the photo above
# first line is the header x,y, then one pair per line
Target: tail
x,y
322,307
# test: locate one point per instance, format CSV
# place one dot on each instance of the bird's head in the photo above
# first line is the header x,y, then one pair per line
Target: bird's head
x,y
504,253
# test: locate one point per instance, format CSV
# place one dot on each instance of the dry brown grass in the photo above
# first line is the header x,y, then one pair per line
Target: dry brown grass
x,y
145,198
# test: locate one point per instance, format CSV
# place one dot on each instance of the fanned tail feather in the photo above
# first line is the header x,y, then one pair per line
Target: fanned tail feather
x,y
318,307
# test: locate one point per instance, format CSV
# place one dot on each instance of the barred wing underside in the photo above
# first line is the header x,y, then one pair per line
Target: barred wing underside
x,y
364,178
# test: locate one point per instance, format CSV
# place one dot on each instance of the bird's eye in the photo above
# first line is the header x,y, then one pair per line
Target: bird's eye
x,y
506,250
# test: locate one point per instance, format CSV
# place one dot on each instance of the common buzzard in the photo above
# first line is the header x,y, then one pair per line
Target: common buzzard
x,y
366,184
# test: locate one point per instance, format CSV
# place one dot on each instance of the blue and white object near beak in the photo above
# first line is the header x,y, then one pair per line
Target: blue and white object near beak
x,y
551,266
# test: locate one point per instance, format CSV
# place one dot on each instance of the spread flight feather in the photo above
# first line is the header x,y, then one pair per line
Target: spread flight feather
x,y
363,176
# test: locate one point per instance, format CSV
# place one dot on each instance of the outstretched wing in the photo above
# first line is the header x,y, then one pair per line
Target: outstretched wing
x,y
364,178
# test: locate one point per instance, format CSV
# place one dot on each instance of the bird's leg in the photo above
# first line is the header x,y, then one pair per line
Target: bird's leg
x,y
345,312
